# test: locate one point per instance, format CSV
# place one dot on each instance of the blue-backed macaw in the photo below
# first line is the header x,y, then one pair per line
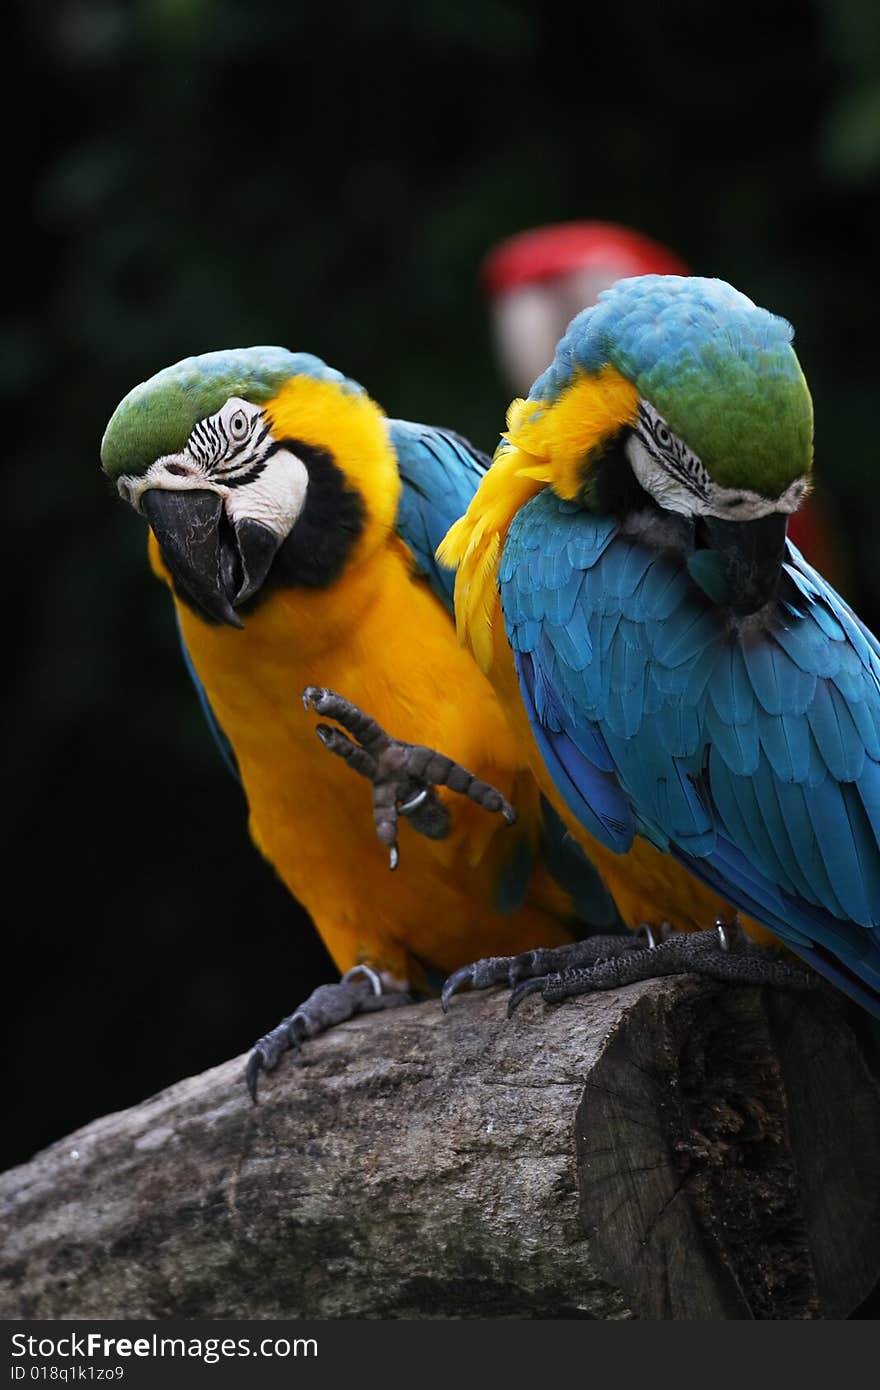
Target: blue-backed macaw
x,y
537,280
296,527
703,708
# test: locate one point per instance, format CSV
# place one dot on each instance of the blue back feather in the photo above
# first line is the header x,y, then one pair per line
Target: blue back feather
x,y
224,747
440,473
751,753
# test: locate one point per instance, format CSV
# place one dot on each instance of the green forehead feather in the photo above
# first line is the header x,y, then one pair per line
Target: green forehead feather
x,y
750,419
720,370
159,415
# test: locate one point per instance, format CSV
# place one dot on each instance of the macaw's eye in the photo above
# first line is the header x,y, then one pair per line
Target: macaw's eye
x,y
239,425
663,435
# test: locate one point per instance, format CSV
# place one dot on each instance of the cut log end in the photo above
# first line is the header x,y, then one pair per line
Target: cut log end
x,y
750,1124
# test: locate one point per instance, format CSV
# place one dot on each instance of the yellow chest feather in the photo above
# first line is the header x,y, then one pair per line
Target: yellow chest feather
x,y
382,639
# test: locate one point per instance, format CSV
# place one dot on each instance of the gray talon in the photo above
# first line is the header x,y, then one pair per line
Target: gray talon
x,y
363,972
517,995
404,776
610,962
359,991
453,983
297,1032
546,962
255,1064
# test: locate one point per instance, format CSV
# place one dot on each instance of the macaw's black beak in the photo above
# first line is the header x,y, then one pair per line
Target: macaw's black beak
x,y
213,563
738,563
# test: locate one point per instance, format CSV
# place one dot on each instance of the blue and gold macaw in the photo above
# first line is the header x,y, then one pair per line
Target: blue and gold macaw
x,y
703,708
296,527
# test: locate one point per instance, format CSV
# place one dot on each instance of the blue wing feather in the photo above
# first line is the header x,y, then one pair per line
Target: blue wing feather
x,y
220,739
752,751
440,473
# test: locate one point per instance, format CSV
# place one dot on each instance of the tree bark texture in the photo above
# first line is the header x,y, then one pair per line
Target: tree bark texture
x,y
677,1149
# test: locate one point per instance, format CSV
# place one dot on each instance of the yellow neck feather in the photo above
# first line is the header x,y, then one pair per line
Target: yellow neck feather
x,y
473,546
556,440
545,445
354,430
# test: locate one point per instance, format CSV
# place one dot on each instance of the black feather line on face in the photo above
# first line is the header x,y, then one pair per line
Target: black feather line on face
x,y
326,532
241,479
612,488
680,462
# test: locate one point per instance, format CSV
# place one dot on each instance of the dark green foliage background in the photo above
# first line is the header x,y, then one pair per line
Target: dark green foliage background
x,y
185,175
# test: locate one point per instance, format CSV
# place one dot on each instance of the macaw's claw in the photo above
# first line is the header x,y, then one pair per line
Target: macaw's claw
x,y
507,970
723,953
404,775
608,962
359,991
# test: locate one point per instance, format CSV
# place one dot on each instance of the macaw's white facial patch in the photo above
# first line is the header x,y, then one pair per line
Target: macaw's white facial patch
x,y
275,496
677,479
233,454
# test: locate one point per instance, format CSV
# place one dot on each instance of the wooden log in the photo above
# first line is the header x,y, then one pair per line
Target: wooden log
x,y
677,1149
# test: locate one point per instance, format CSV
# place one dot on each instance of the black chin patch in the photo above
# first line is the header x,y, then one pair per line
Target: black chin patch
x,y
613,488
326,531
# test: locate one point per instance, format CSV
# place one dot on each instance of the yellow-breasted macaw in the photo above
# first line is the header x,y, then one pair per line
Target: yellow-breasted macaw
x,y
296,527
702,707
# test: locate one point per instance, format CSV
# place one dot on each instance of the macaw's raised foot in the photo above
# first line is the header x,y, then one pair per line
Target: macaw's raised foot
x,y
608,962
358,992
404,775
